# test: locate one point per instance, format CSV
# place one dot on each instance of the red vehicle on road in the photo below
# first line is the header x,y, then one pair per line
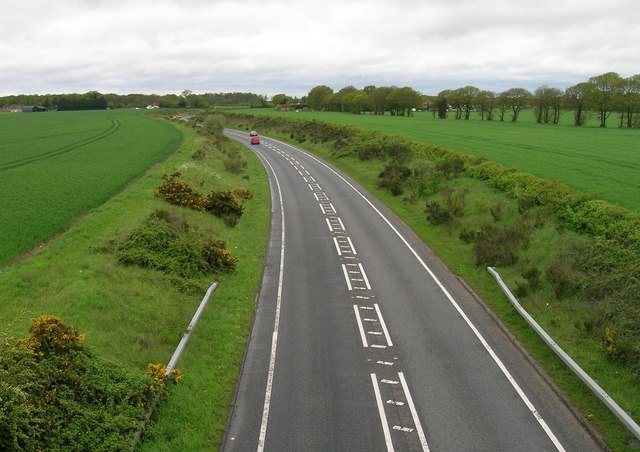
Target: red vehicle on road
x,y
254,138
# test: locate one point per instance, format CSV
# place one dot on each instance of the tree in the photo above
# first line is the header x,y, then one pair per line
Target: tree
x,y
605,89
468,98
442,103
403,100
516,99
630,100
486,102
279,99
318,97
379,99
547,104
574,97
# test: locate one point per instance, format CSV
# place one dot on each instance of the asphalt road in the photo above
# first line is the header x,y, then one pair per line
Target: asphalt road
x,y
364,341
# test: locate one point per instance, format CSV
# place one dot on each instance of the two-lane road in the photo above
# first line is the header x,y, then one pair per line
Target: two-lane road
x,y
364,341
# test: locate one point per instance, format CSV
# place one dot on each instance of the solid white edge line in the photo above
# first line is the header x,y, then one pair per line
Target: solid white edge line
x,y
484,343
414,413
384,325
363,336
276,323
346,276
383,416
335,241
364,275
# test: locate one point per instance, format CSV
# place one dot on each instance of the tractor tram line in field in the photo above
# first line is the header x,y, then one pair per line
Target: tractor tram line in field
x,y
113,128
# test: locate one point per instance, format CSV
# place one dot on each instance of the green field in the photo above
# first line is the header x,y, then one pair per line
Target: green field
x,y
56,166
601,162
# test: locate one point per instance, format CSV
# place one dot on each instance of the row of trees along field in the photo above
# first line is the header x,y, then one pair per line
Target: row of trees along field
x,y
94,100
603,94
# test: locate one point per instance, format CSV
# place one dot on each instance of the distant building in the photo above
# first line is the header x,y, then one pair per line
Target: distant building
x,y
153,106
33,108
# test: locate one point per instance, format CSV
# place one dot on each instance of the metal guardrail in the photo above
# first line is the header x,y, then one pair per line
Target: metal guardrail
x,y
192,324
593,386
174,359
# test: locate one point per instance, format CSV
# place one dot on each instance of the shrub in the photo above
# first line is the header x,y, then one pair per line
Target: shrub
x,y
223,203
451,167
199,154
562,278
532,275
498,245
179,192
436,214
159,245
393,177
496,211
60,396
235,164
455,202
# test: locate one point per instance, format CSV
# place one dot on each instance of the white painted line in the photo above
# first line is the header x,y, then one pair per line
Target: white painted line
x,y
337,246
310,187
384,325
312,179
305,179
353,248
402,429
387,363
365,344
389,382
364,275
455,304
414,413
316,195
329,224
322,207
383,416
395,402
276,322
332,208
346,276
300,173
378,346
374,333
341,225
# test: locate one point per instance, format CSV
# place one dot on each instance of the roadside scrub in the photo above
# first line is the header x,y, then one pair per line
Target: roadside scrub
x,y
572,260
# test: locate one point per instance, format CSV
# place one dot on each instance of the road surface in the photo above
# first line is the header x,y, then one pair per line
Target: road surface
x,y
364,341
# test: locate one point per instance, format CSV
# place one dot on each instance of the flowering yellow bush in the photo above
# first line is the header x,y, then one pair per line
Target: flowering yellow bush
x,y
160,378
50,334
177,191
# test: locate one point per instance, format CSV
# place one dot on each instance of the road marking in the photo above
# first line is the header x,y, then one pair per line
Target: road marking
x,y
360,327
346,276
364,275
402,429
329,224
414,413
395,402
276,322
454,303
353,249
384,325
335,240
386,363
383,416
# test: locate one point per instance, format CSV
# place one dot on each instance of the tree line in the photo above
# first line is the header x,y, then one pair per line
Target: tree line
x,y
602,94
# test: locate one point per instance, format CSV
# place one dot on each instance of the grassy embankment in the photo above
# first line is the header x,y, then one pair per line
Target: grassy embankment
x,y
574,323
132,316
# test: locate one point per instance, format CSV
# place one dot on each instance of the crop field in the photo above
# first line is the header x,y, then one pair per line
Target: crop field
x,y
601,162
56,166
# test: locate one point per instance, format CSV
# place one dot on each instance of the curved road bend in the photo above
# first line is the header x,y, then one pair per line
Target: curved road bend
x,y
364,341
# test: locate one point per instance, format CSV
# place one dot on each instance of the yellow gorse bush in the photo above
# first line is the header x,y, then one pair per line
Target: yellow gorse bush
x,y
50,334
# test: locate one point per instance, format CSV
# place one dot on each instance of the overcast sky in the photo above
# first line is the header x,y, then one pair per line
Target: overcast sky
x,y
290,46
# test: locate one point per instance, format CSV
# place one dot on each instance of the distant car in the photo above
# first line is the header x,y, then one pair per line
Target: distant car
x,y
254,138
